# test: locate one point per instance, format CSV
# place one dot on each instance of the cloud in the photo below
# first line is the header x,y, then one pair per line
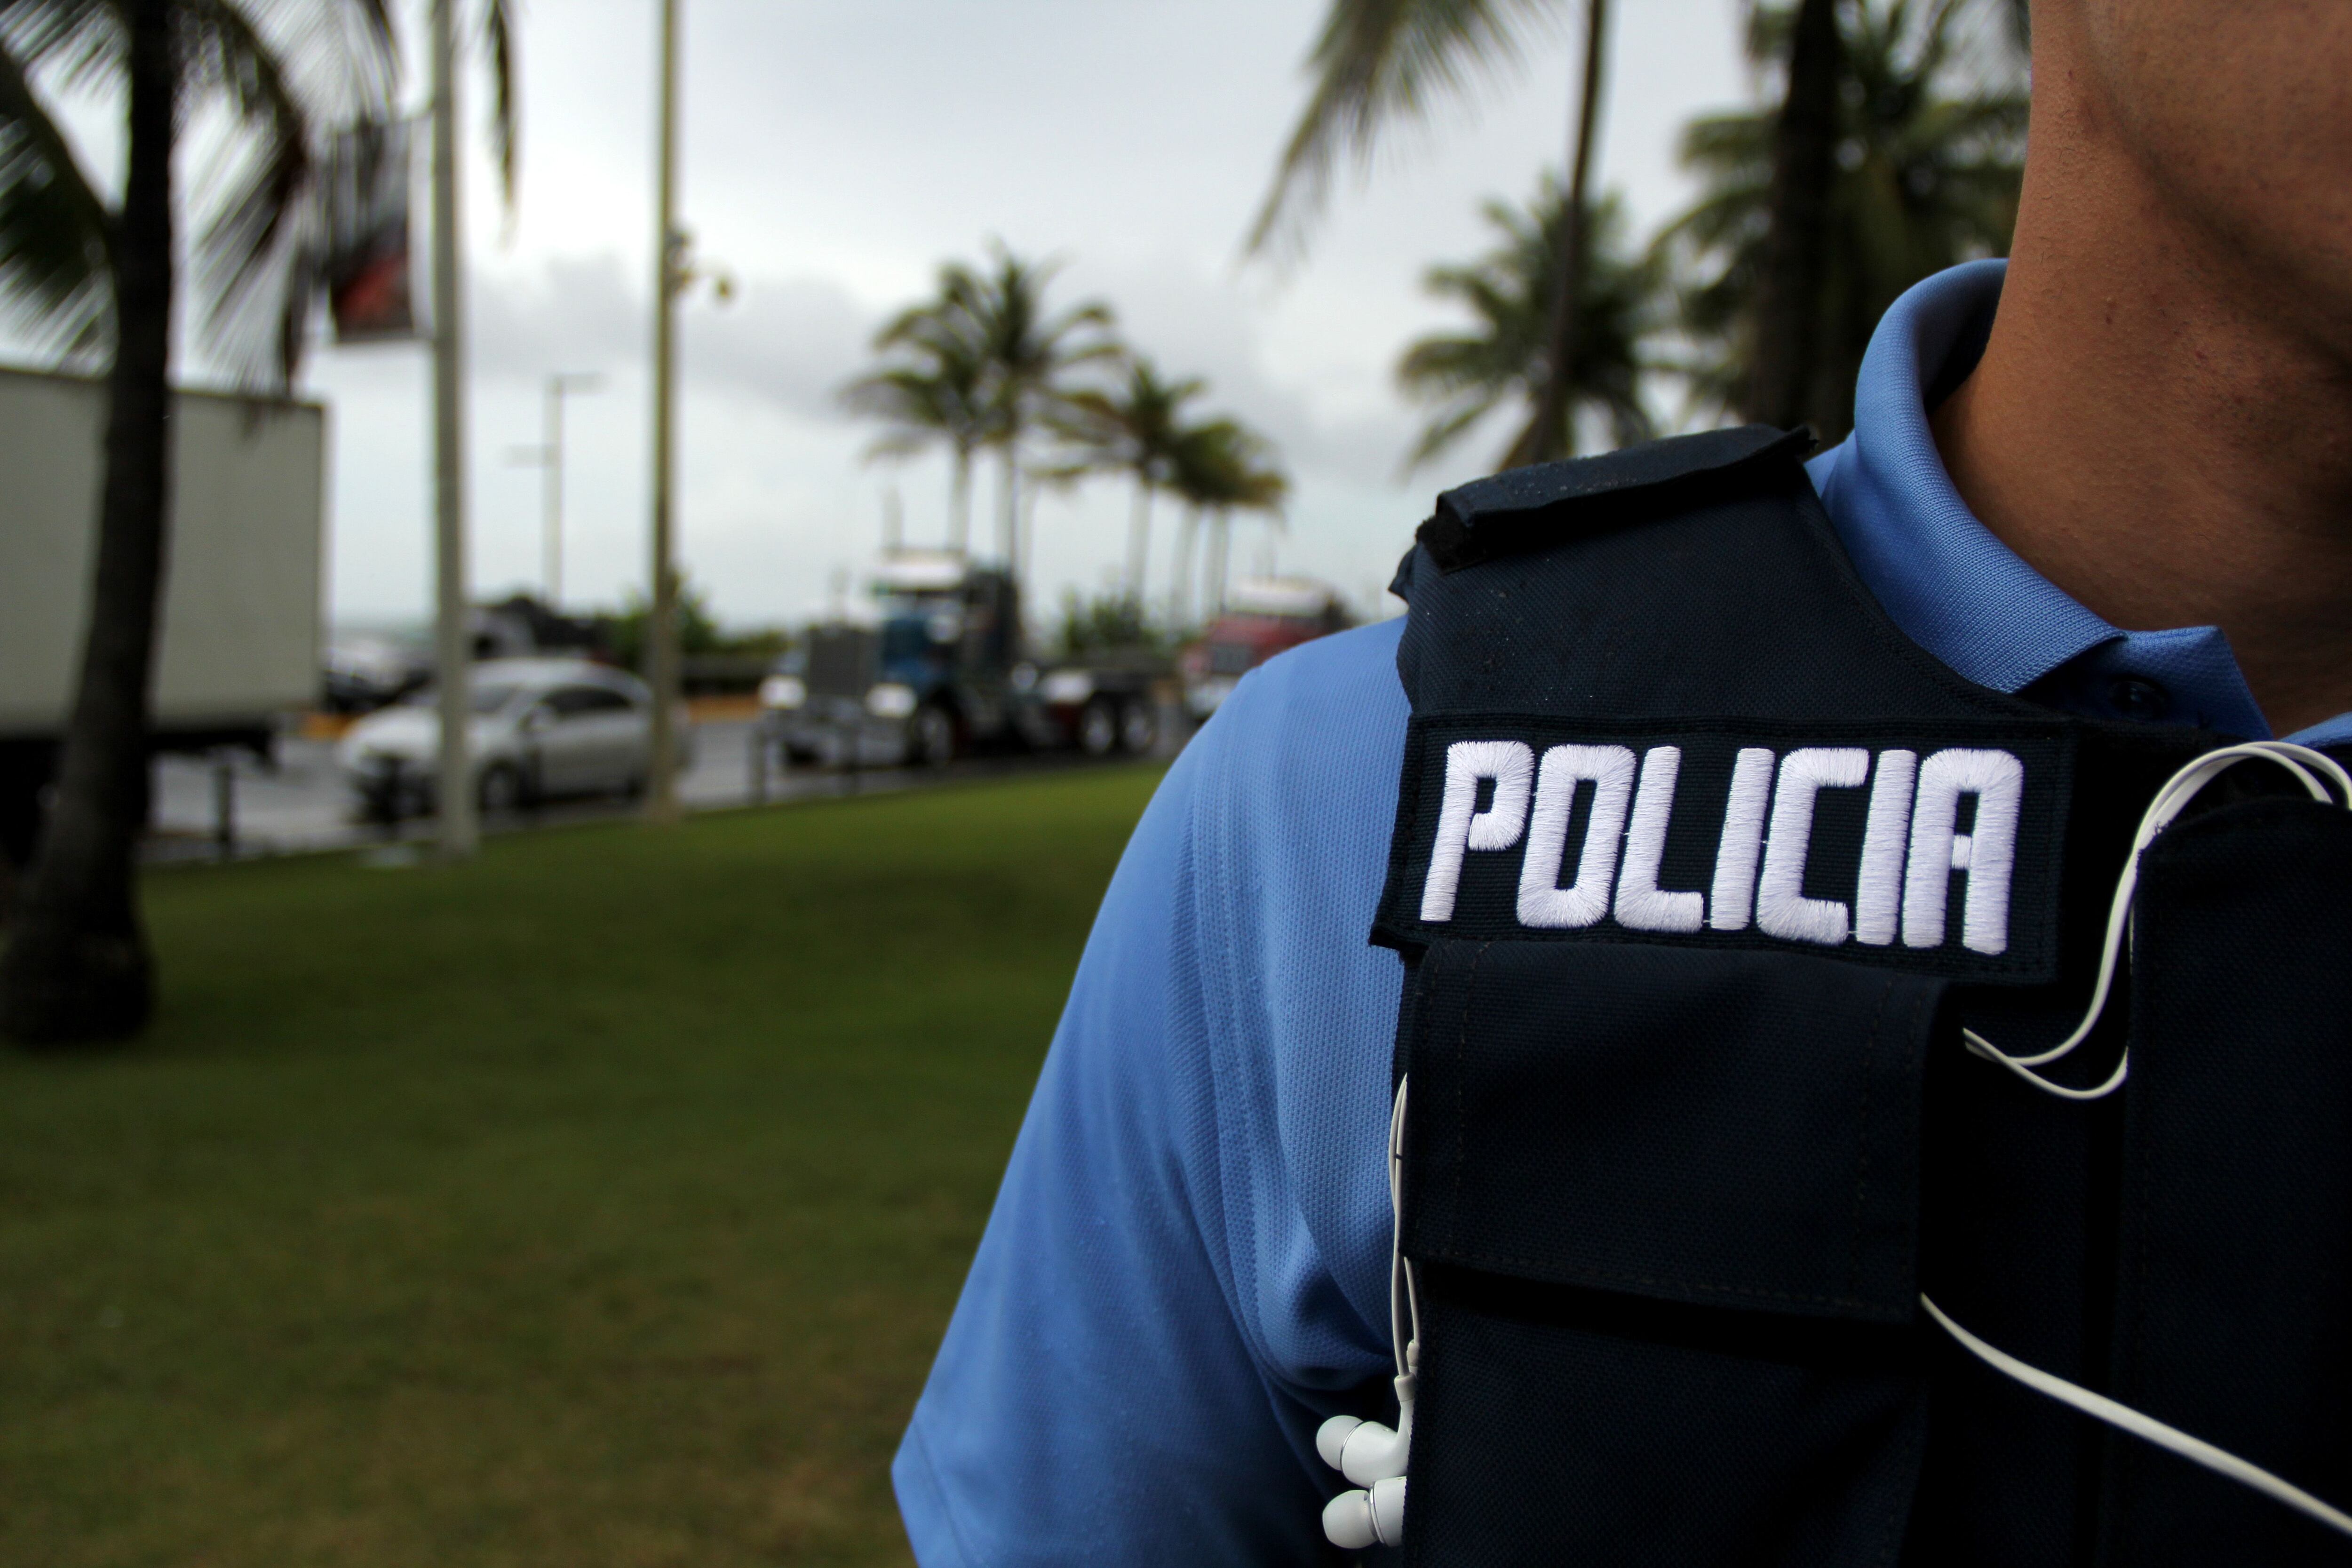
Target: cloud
x,y
1344,425
788,342
571,313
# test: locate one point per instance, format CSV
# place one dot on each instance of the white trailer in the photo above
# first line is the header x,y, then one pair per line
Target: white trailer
x,y
243,599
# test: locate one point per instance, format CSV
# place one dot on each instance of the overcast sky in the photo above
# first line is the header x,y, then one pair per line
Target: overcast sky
x,y
834,153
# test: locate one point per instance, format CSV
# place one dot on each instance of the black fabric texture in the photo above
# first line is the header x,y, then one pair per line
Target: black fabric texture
x,y
1652,1435
1528,508
1742,604
2018,1243
1727,1128
1669,1243
2236,1281
1673,1196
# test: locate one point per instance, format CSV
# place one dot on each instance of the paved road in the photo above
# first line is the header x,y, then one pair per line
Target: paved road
x,y
302,805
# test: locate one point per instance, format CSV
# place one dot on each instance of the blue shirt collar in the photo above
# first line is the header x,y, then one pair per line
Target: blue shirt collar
x,y
1963,595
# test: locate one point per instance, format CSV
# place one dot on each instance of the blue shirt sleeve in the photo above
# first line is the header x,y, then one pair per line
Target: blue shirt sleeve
x,y
1186,1266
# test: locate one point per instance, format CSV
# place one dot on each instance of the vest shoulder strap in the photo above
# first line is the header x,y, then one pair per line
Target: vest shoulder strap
x,y
1527,509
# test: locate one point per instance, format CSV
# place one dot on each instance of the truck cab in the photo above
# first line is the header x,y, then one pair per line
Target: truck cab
x,y
936,665
1265,615
925,674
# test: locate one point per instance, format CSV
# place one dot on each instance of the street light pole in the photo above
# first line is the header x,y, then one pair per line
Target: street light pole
x,y
451,641
661,630
548,457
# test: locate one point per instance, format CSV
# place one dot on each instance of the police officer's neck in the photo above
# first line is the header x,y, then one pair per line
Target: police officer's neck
x,y
2162,421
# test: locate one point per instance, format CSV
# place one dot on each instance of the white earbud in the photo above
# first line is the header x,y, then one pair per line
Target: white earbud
x,y
1332,1438
1355,1520
1366,1451
1372,1456
1374,1453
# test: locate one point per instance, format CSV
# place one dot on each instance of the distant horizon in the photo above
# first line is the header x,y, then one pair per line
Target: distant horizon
x,y
415,628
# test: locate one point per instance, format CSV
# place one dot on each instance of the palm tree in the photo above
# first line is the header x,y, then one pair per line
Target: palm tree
x,y
982,364
1376,59
933,392
1135,429
93,278
1028,352
1931,154
1217,467
1792,269
1504,357
1198,470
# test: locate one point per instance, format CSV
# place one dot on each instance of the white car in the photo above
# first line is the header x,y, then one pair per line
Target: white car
x,y
542,728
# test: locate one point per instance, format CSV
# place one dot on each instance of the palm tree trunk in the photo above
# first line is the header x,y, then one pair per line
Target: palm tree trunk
x,y
1008,500
959,503
1221,545
1025,536
79,968
1180,586
1138,541
1551,434
1796,249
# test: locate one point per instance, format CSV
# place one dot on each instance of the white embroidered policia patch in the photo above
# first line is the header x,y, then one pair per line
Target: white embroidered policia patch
x,y
1905,845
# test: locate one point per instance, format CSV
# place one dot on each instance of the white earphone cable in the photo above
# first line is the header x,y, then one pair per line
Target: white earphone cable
x,y
1404,1300
1372,1456
1359,1519
2124,1418
2309,767
2168,803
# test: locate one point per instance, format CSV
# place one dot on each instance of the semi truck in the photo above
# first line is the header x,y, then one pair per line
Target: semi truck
x,y
1267,616
938,667
240,642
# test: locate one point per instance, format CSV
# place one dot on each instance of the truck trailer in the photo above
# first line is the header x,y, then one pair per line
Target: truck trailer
x,y
240,632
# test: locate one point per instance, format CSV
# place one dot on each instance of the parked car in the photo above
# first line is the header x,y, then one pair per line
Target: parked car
x,y
363,674
542,728
1267,616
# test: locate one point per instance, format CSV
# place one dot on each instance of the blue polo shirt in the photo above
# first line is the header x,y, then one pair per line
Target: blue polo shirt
x,y
1187,1266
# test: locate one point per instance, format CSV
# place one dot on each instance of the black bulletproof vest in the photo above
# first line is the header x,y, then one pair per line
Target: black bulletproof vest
x,y
1689,1125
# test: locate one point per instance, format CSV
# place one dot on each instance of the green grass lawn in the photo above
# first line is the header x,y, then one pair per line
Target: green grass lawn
x,y
598,1203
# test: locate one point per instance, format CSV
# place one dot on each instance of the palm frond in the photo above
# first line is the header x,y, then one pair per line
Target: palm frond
x,y
1932,140
1221,465
55,232
79,43
982,364
1375,61
931,387
506,120
250,244
1135,428
1449,425
1028,351
287,71
1505,354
